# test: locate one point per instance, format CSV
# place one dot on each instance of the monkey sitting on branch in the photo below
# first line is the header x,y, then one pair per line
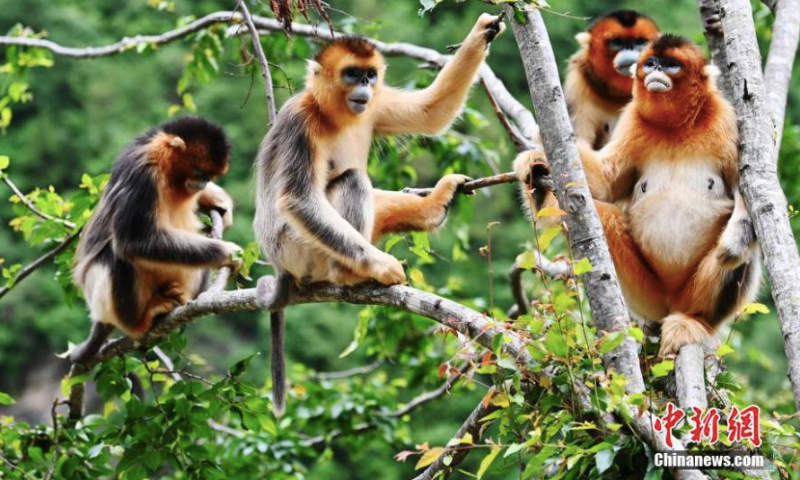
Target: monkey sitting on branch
x,y
317,214
683,244
142,254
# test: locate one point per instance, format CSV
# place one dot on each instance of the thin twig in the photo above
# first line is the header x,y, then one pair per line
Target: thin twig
x,y
351,372
268,91
26,201
470,186
39,262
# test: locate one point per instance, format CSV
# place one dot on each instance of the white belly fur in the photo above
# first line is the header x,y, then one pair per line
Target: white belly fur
x,y
676,218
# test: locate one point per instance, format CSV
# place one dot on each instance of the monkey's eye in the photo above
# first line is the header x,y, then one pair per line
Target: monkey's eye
x,y
671,66
650,64
639,43
202,176
372,75
616,44
351,74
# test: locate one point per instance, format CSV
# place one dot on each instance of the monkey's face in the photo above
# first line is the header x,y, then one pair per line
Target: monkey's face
x,y
359,82
614,50
658,72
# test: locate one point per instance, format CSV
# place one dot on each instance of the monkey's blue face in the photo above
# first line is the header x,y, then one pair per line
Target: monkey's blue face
x,y
361,82
627,53
658,71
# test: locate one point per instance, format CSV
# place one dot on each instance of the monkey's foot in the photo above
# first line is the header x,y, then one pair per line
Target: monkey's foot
x,y
678,330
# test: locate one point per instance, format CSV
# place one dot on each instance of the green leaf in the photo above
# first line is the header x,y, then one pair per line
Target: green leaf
x,y
526,260
663,368
487,461
604,459
636,333
239,367
361,331
548,235
5,399
4,162
611,341
583,266
429,457
724,349
391,242
188,102
751,308
555,343
68,382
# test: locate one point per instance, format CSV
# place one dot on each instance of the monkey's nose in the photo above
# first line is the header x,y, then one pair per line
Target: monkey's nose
x,y
625,60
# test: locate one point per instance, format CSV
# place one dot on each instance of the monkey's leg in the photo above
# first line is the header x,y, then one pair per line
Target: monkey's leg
x,y
402,212
643,291
90,347
712,295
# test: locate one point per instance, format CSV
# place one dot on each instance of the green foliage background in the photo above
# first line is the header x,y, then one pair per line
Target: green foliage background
x,y
84,111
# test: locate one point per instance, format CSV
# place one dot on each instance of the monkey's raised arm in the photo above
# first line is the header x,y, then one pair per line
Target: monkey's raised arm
x,y
609,172
431,110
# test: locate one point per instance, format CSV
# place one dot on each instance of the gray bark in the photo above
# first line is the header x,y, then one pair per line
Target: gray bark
x,y
780,60
759,178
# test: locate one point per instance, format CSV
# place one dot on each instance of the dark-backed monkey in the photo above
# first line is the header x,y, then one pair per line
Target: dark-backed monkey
x,y
142,254
600,77
317,215
684,246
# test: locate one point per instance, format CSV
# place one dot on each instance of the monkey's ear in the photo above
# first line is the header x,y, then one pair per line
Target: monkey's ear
x,y
178,143
313,68
583,38
712,71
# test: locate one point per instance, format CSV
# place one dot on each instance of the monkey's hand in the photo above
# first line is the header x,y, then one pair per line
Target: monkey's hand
x,y
736,242
233,254
486,29
385,269
213,196
447,186
534,173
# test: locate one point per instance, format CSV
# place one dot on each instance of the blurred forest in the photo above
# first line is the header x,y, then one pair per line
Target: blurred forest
x,y
83,112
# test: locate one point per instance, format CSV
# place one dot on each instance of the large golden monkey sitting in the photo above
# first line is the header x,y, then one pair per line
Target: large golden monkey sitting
x,y
684,246
317,215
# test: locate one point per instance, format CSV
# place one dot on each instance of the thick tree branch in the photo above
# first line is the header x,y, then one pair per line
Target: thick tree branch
x,y
259,51
586,234
780,60
712,27
759,179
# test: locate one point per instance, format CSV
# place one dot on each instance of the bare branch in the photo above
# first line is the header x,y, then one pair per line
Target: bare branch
x,y
780,60
351,372
26,201
472,426
759,179
248,20
712,27
39,262
472,185
689,377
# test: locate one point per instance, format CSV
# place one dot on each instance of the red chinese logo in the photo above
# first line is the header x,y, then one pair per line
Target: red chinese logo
x,y
671,420
744,425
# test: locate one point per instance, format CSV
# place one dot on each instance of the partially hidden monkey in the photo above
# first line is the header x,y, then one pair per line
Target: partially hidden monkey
x,y
599,84
599,78
683,246
317,214
142,254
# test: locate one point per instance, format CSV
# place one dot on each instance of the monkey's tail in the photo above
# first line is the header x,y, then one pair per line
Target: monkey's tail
x,y
278,327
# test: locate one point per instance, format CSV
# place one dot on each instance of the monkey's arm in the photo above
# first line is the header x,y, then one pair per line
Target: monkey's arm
x,y
307,209
402,212
431,110
138,232
213,196
609,172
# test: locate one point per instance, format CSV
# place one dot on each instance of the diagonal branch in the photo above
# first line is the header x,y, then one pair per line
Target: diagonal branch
x,y
26,201
39,262
759,178
248,20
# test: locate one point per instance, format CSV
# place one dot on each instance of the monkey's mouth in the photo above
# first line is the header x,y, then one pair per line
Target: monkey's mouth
x,y
657,82
357,105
